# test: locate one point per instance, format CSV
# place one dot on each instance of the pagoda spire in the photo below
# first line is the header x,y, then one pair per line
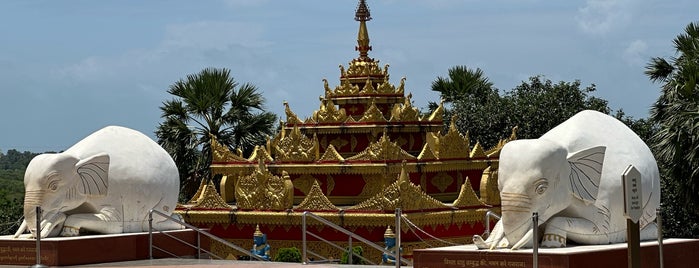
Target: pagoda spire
x,y
363,15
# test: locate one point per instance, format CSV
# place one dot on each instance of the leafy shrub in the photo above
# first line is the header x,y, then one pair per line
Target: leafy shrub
x,y
356,251
292,254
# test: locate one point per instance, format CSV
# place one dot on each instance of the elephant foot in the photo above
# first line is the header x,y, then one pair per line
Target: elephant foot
x,y
479,242
70,231
551,240
489,244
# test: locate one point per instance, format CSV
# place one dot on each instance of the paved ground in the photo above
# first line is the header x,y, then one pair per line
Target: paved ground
x,y
195,263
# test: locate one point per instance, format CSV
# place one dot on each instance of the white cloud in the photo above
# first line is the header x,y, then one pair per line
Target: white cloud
x,y
634,54
600,17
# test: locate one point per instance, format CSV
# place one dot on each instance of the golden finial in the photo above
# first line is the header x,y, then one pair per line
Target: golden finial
x,y
363,15
389,233
257,231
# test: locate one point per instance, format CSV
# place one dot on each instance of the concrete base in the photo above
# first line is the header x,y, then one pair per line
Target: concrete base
x,y
90,249
676,253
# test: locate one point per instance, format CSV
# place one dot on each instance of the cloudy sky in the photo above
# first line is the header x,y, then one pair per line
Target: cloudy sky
x,y
68,68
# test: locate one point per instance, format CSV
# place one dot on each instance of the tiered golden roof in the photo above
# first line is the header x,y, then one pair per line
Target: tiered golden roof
x,y
365,151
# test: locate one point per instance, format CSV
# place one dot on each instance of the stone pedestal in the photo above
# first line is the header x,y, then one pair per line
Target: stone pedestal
x,y
677,253
60,251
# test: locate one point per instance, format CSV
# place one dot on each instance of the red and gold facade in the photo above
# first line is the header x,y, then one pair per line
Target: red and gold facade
x,y
362,154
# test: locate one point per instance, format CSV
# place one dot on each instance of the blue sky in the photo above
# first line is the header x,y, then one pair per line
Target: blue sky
x,y
68,68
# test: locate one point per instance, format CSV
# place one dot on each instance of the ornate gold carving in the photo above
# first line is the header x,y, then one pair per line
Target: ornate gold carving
x,y
477,151
316,201
405,112
221,153
331,155
467,197
403,194
383,149
489,187
442,181
495,152
296,147
208,198
265,191
304,183
260,154
373,114
291,117
328,113
438,114
368,88
426,153
346,88
374,184
339,142
453,144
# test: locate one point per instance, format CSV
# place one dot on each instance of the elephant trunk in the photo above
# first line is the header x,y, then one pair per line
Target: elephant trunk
x,y
32,199
516,216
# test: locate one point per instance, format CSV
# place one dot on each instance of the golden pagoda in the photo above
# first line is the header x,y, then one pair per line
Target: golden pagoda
x,y
363,153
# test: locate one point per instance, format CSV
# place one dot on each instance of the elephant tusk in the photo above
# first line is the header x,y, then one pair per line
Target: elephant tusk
x,y
525,240
497,241
22,228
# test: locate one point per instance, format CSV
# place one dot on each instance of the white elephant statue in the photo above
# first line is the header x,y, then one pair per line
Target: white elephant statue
x,y
106,183
572,176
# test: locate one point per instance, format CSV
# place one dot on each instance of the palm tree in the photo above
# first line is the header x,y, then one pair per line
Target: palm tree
x,y
677,114
463,82
210,104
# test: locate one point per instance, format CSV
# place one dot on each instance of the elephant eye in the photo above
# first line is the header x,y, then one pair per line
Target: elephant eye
x,y
53,185
541,186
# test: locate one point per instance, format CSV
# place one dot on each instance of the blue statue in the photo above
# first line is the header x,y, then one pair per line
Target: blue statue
x,y
260,247
389,239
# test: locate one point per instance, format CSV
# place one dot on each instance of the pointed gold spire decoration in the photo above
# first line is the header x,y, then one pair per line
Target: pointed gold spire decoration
x,y
363,15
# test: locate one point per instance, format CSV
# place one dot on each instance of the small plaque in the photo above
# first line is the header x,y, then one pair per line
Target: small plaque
x,y
633,205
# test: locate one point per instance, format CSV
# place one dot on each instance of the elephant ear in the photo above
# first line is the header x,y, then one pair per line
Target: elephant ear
x,y
586,172
93,175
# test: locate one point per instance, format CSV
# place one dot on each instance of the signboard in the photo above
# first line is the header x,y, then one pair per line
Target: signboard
x,y
633,206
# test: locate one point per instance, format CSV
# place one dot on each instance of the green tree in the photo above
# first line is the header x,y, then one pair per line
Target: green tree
x,y
677,111
540,105
468,94
210,104
535,106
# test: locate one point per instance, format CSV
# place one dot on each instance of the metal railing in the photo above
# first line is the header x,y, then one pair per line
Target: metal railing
x,y
351,236
487,222
199,232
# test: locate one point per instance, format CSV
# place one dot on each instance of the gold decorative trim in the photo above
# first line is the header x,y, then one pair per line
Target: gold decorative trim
x,y
264,191
296,147
403,194
477,151
383,149
453,144
260,154
467,197
426,153
373,114
442,180
405,112
208,198
438,114
316,201
331,155
291,117
490,194
221,153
